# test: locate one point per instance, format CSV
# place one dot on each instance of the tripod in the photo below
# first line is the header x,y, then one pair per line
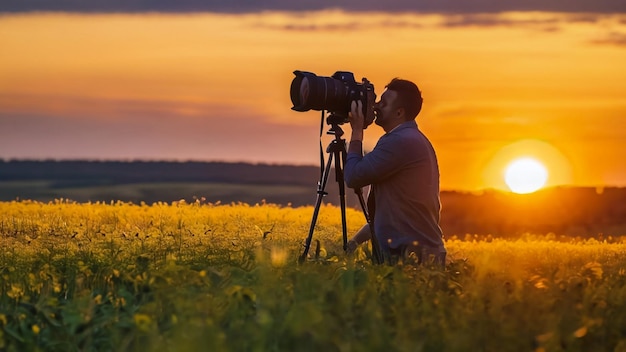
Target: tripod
x,y
337,153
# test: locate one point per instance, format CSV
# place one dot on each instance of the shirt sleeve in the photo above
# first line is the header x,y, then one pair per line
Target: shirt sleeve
x,y
380,163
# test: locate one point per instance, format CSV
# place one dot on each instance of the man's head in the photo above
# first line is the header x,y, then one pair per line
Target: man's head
x,y
400,102
408,98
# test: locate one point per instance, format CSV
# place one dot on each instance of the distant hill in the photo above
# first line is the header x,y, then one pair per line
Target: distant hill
x,y
569,211
153,181
121,172
563,211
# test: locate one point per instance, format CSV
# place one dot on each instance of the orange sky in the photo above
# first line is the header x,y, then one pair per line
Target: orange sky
x,y
216,87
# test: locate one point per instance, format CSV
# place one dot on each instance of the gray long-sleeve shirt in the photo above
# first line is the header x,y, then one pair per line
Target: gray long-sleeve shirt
x,y
404,175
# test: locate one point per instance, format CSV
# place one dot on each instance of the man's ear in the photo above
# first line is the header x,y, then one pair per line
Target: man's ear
x,y
400,112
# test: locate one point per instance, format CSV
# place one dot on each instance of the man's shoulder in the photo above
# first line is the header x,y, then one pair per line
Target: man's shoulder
x,y
407,131
407,138
407,126
404,138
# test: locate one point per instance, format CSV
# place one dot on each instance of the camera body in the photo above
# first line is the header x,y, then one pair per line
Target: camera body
x,y
334,94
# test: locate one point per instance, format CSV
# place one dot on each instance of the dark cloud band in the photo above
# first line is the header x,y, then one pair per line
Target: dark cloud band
x,y
241,6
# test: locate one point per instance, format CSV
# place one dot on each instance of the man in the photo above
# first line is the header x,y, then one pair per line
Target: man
x,y
404,177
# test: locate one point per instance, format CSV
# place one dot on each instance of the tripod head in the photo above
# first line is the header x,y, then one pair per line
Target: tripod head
x,y
334,121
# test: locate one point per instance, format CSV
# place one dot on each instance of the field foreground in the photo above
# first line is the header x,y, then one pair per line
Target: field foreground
x,y
185,277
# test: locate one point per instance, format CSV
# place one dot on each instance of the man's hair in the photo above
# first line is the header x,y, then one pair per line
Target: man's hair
x,y
409,96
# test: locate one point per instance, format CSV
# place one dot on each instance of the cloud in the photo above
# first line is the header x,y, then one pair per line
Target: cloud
x,y
613,38
77,107
312,24
491,20
313,27
332,21
241,6
548,22
136,129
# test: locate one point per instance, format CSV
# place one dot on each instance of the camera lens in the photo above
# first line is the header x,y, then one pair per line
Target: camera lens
x,y
304,90
334,94
311,92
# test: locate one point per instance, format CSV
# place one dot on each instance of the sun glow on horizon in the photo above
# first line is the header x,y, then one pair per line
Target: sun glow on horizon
x,y
556,165
525,175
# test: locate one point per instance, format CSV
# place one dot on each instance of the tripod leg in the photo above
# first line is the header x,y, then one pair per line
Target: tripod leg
x,y
377,255
340,156
340,152
321,186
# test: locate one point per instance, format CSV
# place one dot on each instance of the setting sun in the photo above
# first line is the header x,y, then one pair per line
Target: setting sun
x,y
525,175
499,171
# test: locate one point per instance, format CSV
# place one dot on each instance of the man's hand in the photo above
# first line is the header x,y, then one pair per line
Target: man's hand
x,y
352,246
357,120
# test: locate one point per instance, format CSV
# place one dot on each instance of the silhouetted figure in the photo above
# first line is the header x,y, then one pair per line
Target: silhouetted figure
x,y
404,176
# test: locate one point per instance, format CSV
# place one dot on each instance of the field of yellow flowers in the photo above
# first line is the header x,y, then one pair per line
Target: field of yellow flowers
x,y
196,276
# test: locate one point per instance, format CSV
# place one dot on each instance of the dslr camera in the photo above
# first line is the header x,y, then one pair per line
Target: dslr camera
x,y
334,94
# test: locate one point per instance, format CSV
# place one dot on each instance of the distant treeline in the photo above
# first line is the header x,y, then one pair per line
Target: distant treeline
x,y
563,211
569,211
122,172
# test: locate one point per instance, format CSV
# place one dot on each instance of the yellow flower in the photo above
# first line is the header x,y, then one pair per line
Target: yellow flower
x,y
36,329
142,321
278,257
581,332
15,292
593,269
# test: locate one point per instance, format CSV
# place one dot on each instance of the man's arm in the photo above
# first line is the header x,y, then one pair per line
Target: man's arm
x,y
387,157
355,148
357,120
364,234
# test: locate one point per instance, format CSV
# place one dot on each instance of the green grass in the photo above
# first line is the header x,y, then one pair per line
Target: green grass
x,y
187,277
